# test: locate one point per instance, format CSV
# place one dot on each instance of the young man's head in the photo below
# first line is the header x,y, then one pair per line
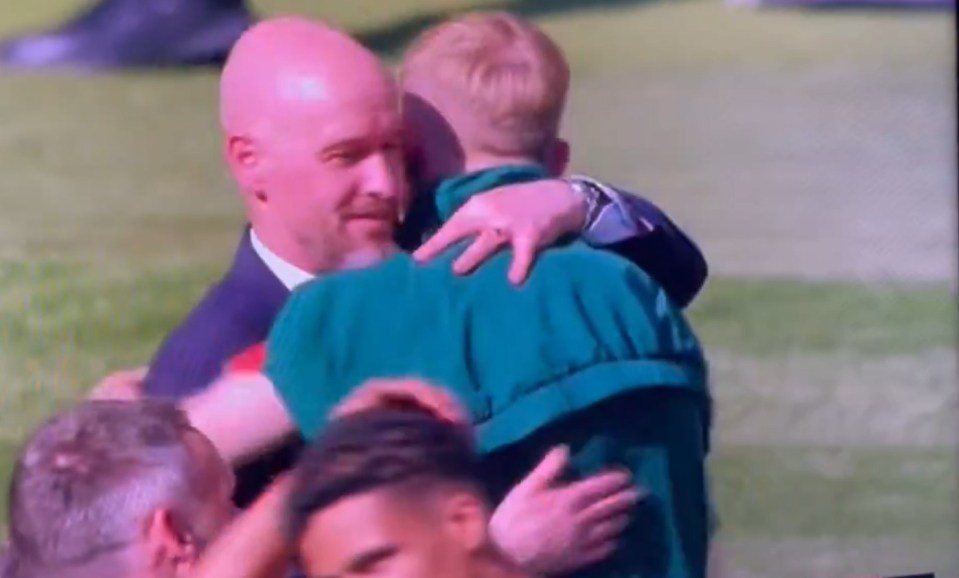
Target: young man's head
x,y
312,136
483,90
116,489
391,493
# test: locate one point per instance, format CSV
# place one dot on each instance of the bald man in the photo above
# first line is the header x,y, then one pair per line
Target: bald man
x,y
319,163
589,352
312,136
351,146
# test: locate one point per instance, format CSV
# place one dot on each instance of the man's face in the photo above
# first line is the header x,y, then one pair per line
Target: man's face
x,y
333,173
382,535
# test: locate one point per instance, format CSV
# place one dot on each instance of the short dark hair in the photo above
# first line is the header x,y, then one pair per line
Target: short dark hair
x,y
86,479
378,449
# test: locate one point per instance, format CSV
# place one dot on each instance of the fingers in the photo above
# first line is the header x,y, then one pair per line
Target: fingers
x,y
372,394
524,253
122,385
487,243
401,392
598,487
138,374
434,399
605,533
453,231
594,554
113,392
600,541
126,376
614,505
545,473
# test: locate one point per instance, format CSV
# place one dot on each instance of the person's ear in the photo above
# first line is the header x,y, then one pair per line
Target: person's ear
x,y
169,545
466,518
245,161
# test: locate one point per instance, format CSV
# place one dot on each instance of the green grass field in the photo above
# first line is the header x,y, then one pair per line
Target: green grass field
x,y
808,152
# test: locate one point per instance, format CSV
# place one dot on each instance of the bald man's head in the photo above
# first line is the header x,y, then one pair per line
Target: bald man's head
x,y
312,126
287,61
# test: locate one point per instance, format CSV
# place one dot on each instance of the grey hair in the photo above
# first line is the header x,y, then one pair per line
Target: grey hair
x,y
88,479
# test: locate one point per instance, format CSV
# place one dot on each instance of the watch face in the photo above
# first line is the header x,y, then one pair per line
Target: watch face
x,y
597,195
595,198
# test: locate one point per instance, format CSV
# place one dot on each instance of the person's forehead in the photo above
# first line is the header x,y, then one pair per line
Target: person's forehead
x,y
380,508
343,120
364,522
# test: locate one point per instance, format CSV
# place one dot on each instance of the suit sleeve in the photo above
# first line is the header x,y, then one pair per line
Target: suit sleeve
x,y
639,231
197,351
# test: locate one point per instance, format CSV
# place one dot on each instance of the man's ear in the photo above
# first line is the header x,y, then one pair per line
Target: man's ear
x,y
466,517
168,544
558,158
245,162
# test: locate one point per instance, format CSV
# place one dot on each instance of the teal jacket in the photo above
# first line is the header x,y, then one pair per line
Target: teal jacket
x,y
587,325
581,354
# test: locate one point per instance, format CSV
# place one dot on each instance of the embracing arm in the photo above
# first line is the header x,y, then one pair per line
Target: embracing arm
x,y
242,415
254,545
529,217
639,231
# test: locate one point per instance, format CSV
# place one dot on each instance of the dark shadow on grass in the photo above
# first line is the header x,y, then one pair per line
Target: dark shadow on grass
x,y
391,38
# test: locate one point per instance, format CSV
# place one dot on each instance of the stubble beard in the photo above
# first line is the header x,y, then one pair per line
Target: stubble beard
x,y
367,256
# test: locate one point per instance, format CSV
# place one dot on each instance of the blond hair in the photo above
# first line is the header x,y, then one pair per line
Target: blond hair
x,y
509,75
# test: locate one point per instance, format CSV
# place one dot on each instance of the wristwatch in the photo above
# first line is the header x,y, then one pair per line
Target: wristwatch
x,y
596,199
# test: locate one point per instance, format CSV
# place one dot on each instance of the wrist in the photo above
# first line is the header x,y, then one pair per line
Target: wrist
x,y
592,200
577,209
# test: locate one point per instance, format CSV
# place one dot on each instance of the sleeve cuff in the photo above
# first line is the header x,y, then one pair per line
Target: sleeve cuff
x,y
616,221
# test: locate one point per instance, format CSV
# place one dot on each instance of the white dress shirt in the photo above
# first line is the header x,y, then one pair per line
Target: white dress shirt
x,y
289,274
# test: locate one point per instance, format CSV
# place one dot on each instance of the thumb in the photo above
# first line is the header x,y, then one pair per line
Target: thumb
x,y
547,471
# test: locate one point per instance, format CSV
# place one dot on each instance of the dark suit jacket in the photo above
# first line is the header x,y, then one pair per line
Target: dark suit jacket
x,y
234,314
237,312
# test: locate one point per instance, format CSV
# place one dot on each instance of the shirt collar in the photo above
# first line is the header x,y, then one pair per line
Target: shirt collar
x,y
289,274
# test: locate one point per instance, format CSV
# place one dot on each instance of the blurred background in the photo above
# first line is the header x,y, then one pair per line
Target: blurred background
x,y
810,152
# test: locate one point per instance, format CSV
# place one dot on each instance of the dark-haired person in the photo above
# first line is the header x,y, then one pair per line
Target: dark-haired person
x,y
393,494
382,493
